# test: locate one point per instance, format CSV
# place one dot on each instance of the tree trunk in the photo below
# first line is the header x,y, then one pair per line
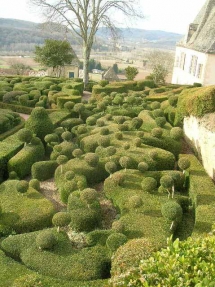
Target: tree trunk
x,y
86,59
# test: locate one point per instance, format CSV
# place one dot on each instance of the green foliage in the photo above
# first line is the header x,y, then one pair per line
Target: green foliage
x,y
8,148
173,100
176,133
160,121
85,219
125,162
135,201
34,183
98,237
143,166
54,53
129,255
130,73
92,159
25,135
88,195
31,280
196,102
183,163
201,190
8,120
157,132
39,123
171,210
43,170
21,163
60,260
24,213
61,219
115,68
46,240
194,266
149,184
110,167
159,74
103,83
22,186
115,240
118,179
166,181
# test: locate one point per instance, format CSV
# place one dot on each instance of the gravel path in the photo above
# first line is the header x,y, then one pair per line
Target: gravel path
x,y
49,190
86,95
24,116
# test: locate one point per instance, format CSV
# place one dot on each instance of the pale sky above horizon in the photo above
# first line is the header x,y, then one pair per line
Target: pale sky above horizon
x,y
166,15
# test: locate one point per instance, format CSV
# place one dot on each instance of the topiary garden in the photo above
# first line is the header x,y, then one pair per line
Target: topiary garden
x,y
90,191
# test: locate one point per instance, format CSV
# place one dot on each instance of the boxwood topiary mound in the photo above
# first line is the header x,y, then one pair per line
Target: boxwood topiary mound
x,y
39,123
24,213
129,255
64,262
21,163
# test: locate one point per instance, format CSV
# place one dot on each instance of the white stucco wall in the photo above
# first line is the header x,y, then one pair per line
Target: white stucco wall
x,y
201,133
183,77
210,71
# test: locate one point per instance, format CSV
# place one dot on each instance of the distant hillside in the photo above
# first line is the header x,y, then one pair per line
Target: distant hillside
x,y
22,36
139,34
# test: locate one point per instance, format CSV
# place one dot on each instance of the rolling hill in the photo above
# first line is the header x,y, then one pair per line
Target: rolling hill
x,y
18,36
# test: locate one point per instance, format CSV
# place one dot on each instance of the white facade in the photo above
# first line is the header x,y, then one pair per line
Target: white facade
x,y
193,67
201,134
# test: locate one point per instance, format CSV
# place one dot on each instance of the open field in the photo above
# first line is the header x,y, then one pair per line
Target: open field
x,y
106,61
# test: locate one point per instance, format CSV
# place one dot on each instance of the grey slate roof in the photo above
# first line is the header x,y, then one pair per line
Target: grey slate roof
x,y
203,36
110,75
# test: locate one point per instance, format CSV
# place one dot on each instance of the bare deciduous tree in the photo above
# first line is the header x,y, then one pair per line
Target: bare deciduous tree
x,y
161,63
18,66
84,17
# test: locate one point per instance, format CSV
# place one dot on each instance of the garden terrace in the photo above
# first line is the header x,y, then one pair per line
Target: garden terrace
x,y
115,162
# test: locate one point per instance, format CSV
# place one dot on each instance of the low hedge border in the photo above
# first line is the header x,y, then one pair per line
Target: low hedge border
x,y
202,193
12,131
16,108
8,148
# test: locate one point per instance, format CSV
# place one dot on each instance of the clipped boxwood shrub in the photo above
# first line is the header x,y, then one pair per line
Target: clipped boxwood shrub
x,y
149,184
84,219
62,100
46,240
98,237
39,123
43,170
26,213
115,240
129,255
21,163
61,219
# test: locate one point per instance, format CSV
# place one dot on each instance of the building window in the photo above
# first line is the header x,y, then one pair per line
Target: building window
x,y
182,60
193,65
177,61
199,71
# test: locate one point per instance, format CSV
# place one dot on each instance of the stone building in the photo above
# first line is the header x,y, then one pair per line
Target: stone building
x,y
195,53
110,75
67,71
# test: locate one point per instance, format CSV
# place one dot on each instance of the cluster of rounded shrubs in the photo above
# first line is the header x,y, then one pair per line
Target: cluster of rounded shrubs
x,y
83,150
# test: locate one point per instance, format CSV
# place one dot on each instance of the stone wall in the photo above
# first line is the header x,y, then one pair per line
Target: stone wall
x,y
200,133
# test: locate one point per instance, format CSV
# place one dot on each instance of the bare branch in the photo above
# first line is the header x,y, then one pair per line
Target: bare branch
x,y
84,17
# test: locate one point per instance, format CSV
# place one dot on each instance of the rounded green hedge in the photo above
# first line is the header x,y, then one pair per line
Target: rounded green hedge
x,y
149,184
115,240
46,240
43,170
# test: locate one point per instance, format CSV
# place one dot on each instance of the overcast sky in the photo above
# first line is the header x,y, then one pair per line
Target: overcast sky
x,y
167,15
